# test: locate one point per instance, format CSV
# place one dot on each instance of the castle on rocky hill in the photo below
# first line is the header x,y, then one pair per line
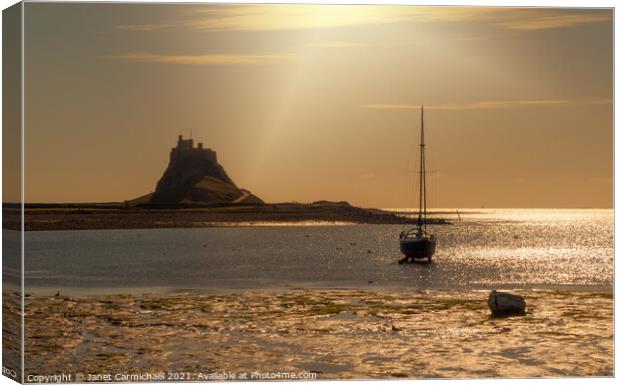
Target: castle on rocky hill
x,y
194,176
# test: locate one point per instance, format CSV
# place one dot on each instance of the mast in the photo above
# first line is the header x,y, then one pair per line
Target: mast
x,y
422,209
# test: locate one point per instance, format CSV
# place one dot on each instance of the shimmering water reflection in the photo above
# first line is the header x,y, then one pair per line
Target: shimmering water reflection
x,y
486,248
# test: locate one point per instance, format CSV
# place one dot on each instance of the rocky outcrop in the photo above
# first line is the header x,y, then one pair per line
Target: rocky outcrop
x,y
506,304
194,176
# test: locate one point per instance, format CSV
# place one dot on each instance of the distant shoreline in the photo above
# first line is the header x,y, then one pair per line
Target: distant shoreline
x,y
91,216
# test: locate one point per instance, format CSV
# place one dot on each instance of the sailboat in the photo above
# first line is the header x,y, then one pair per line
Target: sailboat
x,y
416,243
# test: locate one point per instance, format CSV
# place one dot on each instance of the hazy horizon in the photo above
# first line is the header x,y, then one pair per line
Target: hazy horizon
x,y
306,103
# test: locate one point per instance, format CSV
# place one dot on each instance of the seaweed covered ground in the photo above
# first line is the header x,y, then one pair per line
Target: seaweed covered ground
x,y
328,333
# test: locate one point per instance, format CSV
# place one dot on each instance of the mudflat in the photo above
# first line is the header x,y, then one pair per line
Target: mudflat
x,y
329,333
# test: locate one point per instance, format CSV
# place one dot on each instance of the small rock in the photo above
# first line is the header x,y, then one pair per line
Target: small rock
x,y
506,304
369,251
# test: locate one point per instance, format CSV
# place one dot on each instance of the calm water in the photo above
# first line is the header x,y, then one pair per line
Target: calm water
x,y
487,248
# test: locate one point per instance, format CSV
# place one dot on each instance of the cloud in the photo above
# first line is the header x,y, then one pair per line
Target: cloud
x,y
471,38
209,59
542,21
491,104
145,27
281,17
276,17
370,175
333,44
601,179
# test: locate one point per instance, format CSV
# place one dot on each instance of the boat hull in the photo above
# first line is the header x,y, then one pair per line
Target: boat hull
x,y
417,249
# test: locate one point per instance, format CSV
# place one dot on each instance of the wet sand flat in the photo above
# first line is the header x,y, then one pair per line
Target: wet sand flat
x,y
335,333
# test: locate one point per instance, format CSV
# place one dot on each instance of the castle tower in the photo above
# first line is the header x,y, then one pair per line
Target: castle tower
x,y
185,147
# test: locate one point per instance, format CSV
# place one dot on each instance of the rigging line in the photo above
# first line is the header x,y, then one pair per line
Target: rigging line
x,y
422,172
421,168
411,200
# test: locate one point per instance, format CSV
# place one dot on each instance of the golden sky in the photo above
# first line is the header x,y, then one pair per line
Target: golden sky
x,y
306,102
